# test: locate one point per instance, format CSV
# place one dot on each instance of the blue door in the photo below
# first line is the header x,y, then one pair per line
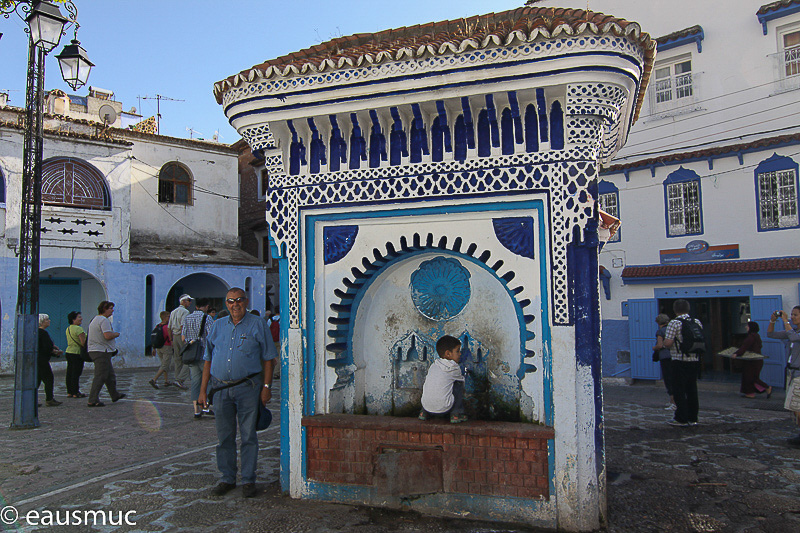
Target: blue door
x,y
761,307
642,328
57,297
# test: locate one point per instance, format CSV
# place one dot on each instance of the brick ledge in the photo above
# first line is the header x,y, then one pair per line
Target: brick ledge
x,y
393,423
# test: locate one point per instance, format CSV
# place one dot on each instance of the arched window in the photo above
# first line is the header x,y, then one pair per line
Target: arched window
x,y
174,184
776,193
72,182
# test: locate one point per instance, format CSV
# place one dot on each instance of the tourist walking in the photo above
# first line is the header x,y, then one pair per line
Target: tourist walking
x,y
789,334
196,327
76,341
239,361
47,349
165,353
102,347
175,323
751,368
684,365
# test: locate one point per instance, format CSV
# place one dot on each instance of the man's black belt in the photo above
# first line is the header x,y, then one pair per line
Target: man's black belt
x,y
228,384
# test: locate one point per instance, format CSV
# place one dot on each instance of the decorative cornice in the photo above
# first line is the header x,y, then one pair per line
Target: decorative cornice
x,y
523,25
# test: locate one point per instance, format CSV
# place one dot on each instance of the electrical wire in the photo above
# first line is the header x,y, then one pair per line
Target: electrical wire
x,y
178,220
707,176
713,125
194,185
696,102
700,145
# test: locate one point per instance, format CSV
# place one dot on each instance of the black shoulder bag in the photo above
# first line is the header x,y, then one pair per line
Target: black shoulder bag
x,y
193,351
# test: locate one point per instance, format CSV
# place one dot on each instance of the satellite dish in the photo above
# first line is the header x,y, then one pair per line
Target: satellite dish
x,y
107,114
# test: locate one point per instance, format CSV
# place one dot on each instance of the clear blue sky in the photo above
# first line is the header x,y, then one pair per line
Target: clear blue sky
x,y
179,48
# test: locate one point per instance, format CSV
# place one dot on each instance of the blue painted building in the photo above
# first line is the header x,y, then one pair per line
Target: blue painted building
x,y
707,185
442,179
132,217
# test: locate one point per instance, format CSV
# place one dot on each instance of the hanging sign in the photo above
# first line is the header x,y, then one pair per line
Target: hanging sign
x,y
699,251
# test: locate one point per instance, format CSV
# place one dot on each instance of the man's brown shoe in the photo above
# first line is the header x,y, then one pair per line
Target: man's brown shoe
x,y
222,489
249,490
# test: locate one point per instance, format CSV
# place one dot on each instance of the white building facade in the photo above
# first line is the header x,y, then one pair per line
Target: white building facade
x,y
707,185
131,217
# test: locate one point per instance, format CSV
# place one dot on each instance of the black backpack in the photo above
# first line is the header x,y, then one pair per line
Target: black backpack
x,y
694,341
157,339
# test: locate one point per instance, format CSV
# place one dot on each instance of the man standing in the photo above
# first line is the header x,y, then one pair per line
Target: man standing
x,y
684,368
191,332
175,322
240,357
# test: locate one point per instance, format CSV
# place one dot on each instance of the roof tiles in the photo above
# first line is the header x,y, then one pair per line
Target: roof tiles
x,y
782,264
524,24
774,6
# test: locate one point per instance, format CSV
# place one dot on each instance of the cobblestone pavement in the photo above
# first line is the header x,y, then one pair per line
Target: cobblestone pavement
x,y
147,454
731,473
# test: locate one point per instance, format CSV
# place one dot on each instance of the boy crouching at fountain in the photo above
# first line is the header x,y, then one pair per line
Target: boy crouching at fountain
x,y
443,391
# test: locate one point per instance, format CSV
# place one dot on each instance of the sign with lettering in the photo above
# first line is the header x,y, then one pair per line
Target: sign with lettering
x,y
699,251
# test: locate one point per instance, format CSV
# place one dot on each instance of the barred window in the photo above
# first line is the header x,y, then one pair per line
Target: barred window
x,y
791,53
777,199
673,82
683,203
174,184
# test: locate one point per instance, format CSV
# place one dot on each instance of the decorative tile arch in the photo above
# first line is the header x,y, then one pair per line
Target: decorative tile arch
x,y
342,319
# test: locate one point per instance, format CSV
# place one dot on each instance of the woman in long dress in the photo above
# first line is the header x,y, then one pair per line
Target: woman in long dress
x,y
751,382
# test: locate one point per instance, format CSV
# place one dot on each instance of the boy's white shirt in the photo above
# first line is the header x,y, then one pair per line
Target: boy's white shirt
x,y
437,392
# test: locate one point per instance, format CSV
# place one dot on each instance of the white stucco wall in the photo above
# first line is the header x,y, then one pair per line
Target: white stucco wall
x,y
734,75
210,219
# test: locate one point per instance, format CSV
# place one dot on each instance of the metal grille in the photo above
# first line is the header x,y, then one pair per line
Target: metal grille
x,y
777,199
74,183
174,185
683,202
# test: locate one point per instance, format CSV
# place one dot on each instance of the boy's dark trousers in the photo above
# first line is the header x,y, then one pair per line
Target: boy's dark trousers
x,y
458,402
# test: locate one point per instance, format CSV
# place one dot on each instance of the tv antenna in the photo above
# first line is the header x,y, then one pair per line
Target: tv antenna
x,y
192,131
158,99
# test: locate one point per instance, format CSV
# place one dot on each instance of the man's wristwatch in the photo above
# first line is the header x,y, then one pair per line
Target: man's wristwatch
x,y
267,386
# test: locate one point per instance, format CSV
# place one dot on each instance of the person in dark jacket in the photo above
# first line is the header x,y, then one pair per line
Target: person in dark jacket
x,y
47,349
751,383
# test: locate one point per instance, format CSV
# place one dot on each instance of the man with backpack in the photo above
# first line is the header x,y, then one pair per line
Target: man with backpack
x,y
686,342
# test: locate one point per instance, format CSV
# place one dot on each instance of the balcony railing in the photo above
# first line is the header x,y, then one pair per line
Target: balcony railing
x,y
675,95
787,69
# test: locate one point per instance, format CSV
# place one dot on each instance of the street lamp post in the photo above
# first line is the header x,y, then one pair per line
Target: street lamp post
x,y
45,27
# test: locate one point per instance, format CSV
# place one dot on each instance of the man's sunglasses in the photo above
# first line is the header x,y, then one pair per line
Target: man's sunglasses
x,y
236,300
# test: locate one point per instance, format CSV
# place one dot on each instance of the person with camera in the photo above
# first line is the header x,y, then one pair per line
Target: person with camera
x,y
789,334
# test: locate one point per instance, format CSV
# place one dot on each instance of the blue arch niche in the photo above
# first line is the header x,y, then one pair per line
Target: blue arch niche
x,y
355,289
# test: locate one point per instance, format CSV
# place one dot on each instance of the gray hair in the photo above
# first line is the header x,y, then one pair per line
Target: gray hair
x,y
662,319
43,318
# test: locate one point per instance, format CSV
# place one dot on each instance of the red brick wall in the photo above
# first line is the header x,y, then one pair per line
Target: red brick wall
x,y
487,458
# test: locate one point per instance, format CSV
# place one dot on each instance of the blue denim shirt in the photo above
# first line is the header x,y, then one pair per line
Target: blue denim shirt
x,y
236,351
